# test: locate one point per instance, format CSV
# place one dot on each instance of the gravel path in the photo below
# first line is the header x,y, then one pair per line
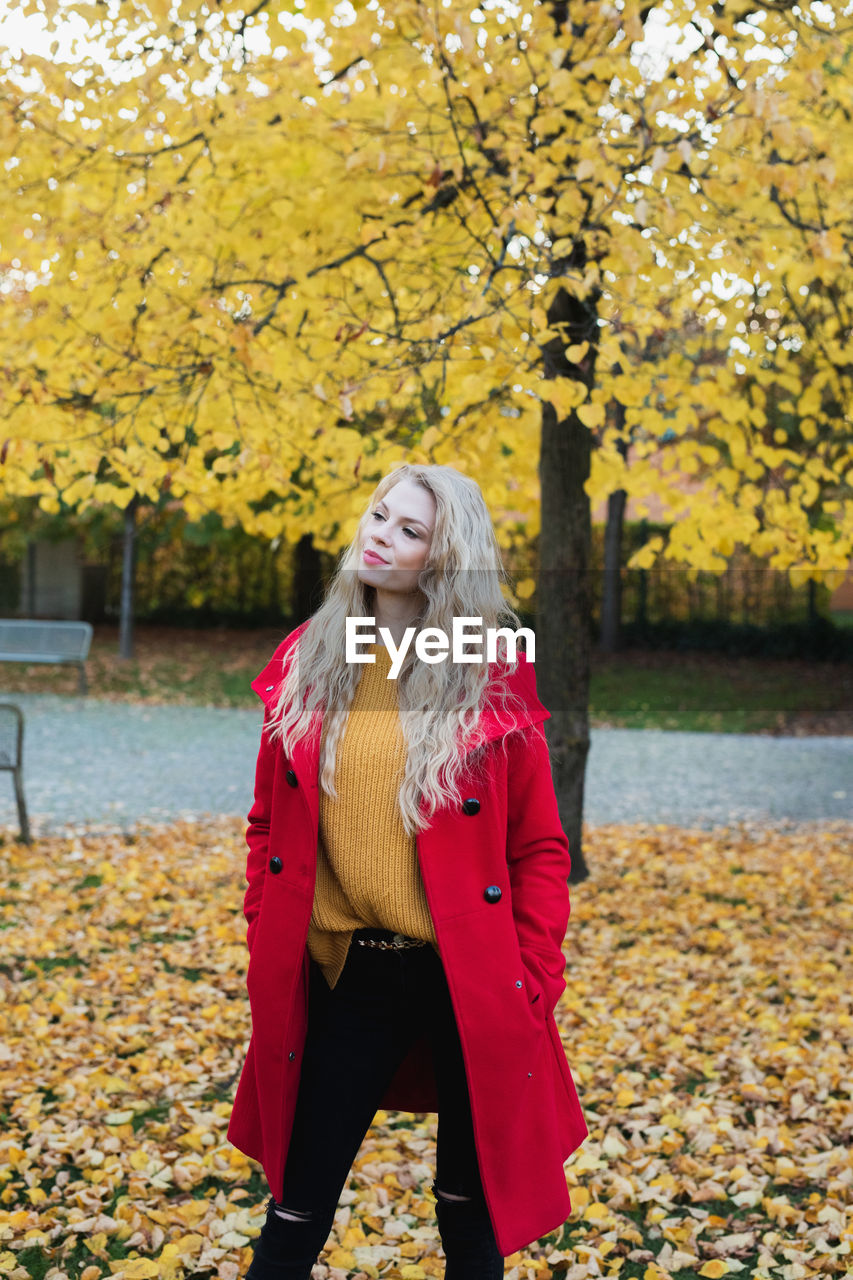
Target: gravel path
x,y
94,763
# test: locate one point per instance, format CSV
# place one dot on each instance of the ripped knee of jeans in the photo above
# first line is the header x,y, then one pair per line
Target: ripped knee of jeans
x,y
292,1215
451,1197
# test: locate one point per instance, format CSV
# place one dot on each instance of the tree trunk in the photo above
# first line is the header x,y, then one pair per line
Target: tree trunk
x,y
307,579
564,594
812,614
273,595
642,617
128,570
30,602
611,592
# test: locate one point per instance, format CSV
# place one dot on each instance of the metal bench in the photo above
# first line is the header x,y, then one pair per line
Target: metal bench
x,y
55,642
11,758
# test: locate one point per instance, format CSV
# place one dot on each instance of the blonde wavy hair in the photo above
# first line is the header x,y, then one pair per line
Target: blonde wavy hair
x,y
440,704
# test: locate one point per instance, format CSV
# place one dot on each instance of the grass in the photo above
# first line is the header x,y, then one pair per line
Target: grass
x,y
715,693
634,689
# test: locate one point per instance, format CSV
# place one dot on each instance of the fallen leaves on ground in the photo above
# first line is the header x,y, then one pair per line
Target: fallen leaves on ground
x,y
210,666
707,1019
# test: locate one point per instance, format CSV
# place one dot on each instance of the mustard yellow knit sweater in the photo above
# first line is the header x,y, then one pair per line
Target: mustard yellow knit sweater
x,y
367,866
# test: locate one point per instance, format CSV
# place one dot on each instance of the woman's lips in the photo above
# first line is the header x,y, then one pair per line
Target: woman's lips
x,y
372,558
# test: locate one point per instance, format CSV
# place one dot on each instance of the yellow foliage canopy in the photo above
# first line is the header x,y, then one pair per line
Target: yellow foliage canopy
x,y
254,269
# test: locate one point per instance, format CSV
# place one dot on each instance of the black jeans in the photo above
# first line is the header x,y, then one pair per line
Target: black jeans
x,y
358,1034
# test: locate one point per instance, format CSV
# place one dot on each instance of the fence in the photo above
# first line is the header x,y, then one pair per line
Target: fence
x,y
206,573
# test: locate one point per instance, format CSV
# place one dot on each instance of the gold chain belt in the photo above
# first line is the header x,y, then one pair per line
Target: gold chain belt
x,y
399,942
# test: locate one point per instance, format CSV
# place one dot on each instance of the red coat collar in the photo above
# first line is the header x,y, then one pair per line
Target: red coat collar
x,y
494,722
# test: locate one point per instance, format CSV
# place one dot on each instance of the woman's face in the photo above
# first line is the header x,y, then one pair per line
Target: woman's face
x,y
396,538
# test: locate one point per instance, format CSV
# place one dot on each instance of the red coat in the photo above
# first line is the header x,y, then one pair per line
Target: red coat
x,y
501,953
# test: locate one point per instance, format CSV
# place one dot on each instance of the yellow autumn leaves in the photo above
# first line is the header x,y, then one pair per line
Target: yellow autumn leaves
x,y
708,1019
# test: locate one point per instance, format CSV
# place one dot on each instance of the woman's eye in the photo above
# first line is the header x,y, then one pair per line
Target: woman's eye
x,y
412,533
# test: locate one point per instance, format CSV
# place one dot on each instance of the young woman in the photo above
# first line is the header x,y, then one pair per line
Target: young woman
x,y
407,899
